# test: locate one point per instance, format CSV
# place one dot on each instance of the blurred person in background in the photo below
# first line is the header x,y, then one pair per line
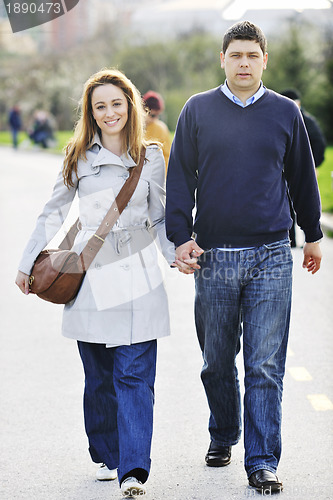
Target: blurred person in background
x,y
317,142
15,124
155,128
41,131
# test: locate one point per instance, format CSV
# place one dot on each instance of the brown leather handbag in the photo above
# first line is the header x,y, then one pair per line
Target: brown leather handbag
x,y
57,274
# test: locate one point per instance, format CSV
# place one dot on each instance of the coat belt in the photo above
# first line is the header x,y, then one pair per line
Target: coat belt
x,y
116,229
121,235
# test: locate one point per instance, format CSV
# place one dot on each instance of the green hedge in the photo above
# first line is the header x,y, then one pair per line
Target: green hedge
x,y
325,181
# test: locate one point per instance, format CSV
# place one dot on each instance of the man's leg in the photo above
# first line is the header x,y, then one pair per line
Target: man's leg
x,y
217,319
15,137
266,302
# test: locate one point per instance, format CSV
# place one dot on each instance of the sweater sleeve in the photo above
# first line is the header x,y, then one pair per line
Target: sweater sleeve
x,y
156,203
302,182
182,179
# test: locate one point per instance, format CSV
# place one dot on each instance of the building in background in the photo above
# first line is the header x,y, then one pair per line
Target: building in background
x,y
62,33
163,18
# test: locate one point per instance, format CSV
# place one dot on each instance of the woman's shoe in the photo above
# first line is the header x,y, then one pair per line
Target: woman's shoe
x,y
105,474
132,487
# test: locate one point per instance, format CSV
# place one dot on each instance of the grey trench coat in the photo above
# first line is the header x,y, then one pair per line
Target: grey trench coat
x,y
122,299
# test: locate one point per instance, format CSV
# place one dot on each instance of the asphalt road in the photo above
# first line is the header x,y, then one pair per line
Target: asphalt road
x,y
43,445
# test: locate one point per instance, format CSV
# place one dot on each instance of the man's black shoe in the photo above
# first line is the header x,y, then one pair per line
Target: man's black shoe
x,y
265,481
218,456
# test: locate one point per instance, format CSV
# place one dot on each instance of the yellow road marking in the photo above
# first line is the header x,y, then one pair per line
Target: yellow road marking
x,y
299,373
320,402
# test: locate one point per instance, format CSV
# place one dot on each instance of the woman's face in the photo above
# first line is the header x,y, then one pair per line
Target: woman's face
x,y
110,109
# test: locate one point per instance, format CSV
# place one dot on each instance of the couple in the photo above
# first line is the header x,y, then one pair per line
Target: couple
x,y
239,151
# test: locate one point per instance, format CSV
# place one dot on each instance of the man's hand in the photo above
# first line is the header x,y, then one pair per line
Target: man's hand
x,y
186,257
312,257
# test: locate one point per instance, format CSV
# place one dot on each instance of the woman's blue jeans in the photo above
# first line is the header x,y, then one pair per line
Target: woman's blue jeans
x,y
249,292
118,404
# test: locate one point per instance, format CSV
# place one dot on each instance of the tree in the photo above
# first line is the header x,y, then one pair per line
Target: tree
x,y
301,58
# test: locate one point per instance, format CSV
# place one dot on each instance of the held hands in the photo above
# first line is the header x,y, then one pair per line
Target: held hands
x,y
312,257
186,257
186,261
22,281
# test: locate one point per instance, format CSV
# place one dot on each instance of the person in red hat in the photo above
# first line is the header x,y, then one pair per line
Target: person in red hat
x,y
156,130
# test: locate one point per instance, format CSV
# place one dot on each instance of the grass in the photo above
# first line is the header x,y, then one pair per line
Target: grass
x,y
62,137
325,180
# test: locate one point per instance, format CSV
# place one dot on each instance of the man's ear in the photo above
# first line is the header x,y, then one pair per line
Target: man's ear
x,y
265,60
222,58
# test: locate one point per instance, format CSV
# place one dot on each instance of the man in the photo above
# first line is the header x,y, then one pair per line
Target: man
x,y
317,142
15,124
236,150
155,128
316,136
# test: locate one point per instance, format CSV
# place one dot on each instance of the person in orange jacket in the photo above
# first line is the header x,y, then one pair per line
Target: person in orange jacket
x,y
155,128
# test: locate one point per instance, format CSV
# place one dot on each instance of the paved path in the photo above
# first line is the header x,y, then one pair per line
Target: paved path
x,y
43,446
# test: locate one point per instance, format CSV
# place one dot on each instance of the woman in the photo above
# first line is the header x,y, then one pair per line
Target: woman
x,y
121,308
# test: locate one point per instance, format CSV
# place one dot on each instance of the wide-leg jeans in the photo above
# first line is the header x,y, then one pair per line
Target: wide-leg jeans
x,y
118,404
249,292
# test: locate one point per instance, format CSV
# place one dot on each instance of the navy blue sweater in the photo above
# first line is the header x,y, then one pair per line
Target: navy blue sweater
x,y
237,164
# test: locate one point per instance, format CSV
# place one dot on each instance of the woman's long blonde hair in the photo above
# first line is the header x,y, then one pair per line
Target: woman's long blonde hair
x,y
86,127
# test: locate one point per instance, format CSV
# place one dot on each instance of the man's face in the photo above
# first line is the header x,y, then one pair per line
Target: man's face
x,y
243,63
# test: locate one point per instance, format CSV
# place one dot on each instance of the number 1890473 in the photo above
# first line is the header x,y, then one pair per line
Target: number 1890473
x,y
33,8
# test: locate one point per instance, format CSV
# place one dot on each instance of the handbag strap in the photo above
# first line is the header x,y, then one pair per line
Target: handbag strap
x,y
96,241
69,239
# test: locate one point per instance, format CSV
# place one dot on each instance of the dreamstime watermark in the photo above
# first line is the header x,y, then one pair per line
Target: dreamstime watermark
x,y
229,274
134,492
277,254
253,264
265,492
301,493
25,14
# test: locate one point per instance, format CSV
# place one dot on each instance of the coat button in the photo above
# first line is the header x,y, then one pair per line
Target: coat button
x,y
96,170
97,265
97,205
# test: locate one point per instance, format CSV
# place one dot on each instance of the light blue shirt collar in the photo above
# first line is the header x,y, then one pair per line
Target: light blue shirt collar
x,y
260,92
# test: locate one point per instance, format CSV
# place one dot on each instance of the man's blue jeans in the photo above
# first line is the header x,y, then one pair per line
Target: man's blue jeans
x,y
118,404
245,291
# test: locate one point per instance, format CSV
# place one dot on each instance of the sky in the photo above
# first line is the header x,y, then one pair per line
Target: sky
x,y
239,7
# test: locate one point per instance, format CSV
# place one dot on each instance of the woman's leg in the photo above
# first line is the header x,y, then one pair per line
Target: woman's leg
x,y
100,403
134,378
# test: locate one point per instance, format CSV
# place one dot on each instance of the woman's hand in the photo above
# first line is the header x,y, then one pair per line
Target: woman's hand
x,y
22,281
187,256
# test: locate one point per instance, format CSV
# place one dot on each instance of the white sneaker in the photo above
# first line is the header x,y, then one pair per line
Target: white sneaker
x,y
132,487
105,474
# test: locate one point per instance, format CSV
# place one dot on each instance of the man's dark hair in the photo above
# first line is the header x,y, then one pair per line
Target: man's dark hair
x,y
292,94
244,30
